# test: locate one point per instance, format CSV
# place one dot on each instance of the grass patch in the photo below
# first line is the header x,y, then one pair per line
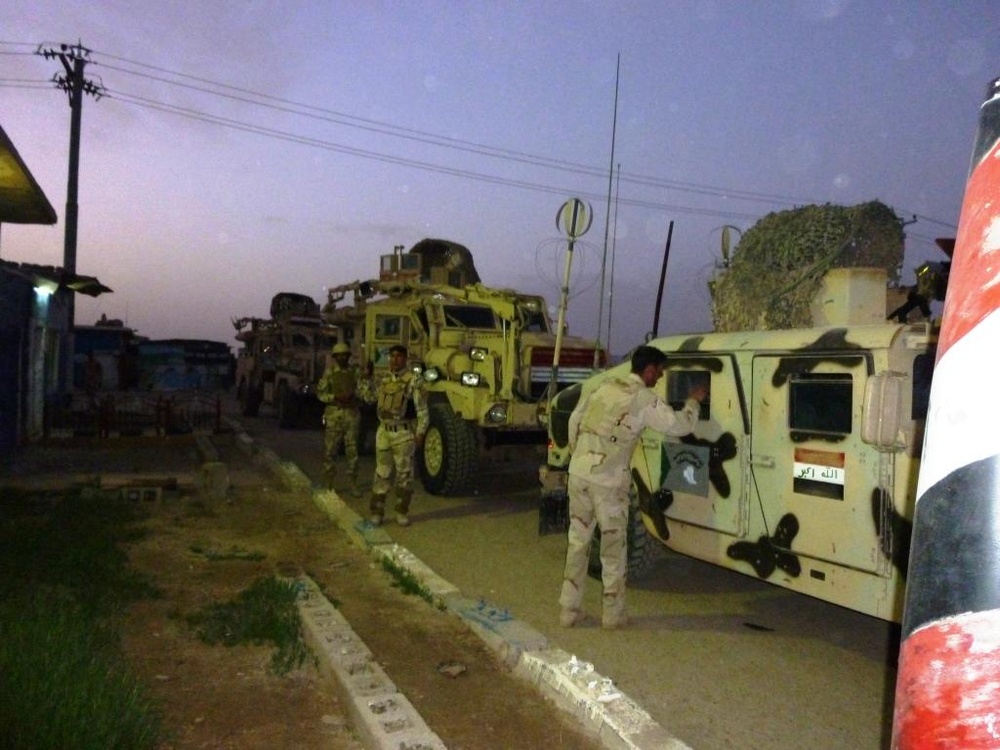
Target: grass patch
x,y
265,612
408,583
63,577
65,683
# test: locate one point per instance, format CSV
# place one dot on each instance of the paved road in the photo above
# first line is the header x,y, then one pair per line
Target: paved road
x,y
719,659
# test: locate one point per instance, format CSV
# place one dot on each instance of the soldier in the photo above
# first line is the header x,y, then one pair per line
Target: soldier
x,y
603,431
338,389
402,413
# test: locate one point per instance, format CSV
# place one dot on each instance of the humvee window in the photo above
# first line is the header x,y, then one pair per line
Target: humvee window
x,y
820,403
469,316
679,385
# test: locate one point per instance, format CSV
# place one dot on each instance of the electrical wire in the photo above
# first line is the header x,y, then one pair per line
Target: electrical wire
x,y
279,104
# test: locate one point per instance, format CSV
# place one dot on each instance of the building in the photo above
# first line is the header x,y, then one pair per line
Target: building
x,y
35,343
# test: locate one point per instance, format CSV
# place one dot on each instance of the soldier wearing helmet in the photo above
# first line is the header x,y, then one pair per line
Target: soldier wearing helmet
x,y
401,404
338,389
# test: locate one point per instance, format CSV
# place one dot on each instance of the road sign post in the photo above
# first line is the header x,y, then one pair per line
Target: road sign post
x,y
574,218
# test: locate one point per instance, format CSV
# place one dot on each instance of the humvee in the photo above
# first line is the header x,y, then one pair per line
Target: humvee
x,y
802,469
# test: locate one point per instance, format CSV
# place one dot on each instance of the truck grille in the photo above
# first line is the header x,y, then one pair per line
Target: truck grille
x,y
575,366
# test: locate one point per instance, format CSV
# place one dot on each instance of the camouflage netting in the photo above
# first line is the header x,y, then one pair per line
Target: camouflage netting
x,y
779,263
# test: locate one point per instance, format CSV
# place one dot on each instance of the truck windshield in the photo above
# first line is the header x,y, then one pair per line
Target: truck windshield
x,y
469,316
535,320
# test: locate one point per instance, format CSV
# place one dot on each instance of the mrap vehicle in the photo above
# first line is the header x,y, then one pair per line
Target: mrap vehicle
x,y
485,354
802,469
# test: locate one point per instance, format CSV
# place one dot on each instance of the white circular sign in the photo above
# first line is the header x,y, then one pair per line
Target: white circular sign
x,y
574,217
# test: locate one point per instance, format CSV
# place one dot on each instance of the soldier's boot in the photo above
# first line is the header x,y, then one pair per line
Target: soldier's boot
x,y
376,508
403,506
614,615
355,486
329,474
569,618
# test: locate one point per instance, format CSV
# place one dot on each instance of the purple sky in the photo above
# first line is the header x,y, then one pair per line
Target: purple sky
x,y
474,122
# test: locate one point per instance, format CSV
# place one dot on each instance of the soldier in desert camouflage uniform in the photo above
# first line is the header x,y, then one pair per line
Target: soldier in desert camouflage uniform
x,y
338,390
402,413
603,431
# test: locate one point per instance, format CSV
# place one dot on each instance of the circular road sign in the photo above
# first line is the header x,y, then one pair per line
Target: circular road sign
x,y
574,217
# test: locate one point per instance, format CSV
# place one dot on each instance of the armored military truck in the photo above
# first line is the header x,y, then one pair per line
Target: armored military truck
x,y
485,354
802,469
282,359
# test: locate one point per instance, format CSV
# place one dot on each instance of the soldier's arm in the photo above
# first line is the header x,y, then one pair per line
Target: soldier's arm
x,y
659,416
323,390
420,404
366,389
574,420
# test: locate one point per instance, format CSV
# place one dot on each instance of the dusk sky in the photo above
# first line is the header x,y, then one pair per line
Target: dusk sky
x,y
246,148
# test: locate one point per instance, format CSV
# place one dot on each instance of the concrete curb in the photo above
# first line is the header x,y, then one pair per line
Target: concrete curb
x,y
617,721
383,716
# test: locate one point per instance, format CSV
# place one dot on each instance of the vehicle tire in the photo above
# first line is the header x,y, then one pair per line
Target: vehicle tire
x,y
288,407
252,396
643,548
449,456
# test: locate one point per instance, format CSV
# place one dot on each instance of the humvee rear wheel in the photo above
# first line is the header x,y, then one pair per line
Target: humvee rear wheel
x,y
643,548
448,458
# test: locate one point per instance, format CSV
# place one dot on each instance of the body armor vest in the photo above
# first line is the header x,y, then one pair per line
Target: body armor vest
x,y
342,385
393,404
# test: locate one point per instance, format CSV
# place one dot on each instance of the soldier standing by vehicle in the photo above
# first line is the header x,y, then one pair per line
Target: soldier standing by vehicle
x,y
401,405
338,389
603,431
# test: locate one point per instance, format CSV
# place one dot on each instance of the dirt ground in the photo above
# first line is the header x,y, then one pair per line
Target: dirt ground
x,y
218,697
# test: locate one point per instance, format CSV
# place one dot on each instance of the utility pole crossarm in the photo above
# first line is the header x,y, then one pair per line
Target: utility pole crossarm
x,y
74,59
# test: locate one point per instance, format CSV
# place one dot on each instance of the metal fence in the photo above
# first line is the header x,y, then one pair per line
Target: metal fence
x,y
133,413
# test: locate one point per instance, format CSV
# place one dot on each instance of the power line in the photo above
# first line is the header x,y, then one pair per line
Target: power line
x,y
255,98
388,159
440,140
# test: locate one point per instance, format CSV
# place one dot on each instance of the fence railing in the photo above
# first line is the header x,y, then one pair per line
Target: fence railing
x,y
128,413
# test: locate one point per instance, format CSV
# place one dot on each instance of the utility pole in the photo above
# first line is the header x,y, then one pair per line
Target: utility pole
x,y
74,59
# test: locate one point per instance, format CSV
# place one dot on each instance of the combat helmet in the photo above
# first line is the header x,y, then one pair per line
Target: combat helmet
x,y
340,348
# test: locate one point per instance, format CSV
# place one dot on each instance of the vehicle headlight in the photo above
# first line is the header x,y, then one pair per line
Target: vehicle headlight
x,y
497,414
477,354
470,378
432,375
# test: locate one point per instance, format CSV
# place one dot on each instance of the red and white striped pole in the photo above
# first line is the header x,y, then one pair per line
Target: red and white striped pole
x,y
948,686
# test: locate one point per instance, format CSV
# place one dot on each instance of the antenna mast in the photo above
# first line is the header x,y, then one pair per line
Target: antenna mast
x,y
607,216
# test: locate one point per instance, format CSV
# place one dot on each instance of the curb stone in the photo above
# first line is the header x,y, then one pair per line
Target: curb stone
x,y
617,721
382,715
